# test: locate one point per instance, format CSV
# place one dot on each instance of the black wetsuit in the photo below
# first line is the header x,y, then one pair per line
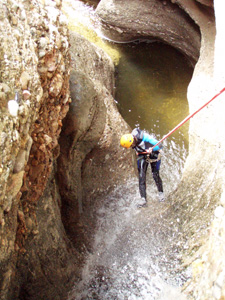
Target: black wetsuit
x,y
144,142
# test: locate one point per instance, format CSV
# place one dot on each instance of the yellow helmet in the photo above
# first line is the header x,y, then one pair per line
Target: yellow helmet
x,y
126,140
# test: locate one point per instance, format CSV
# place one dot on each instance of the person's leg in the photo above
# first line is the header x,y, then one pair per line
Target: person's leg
x,y
142,169
155,173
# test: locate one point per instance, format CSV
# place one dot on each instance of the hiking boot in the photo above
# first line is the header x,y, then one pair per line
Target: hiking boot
x,y
161,197
143,203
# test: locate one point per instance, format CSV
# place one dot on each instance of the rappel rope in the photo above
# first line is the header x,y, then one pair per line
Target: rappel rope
x,y
186,119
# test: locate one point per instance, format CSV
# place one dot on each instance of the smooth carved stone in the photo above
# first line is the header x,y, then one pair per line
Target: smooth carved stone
x,y
155,20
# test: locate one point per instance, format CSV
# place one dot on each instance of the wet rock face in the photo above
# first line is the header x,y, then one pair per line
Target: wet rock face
x,y
162,21
90,148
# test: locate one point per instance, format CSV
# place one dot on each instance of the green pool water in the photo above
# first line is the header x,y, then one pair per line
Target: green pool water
x,y
151,88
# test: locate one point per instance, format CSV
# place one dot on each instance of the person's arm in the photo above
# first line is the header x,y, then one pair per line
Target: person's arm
x,y
151,140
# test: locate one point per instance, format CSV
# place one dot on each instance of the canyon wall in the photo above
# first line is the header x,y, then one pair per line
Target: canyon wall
x,y
34,97
60,132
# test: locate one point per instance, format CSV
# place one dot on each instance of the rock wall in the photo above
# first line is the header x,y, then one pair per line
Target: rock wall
x,y
34,97
90,147
162,21
206,139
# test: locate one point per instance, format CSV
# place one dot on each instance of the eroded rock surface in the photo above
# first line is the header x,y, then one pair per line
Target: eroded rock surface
x,y
90,148
34,96
162,21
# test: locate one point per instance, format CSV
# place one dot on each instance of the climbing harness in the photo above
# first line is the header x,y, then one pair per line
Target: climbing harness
x,y
186,119
148,159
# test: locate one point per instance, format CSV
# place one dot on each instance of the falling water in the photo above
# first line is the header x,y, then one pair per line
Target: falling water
x,y
135,253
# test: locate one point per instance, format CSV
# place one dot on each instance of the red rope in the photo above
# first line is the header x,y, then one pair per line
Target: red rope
x,y
186,119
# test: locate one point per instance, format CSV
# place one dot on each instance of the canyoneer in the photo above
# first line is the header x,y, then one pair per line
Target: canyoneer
x,y
142,143
148,150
